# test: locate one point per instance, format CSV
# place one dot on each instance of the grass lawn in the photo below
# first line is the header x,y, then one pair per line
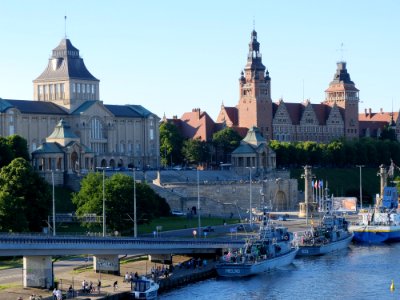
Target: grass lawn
x,y
172,223
9,263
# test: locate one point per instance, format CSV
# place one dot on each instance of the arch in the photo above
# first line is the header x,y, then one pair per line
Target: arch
x,y
103,163
74,161
120,163
112,163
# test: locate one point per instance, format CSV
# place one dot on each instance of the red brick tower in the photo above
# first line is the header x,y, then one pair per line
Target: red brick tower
x,y
344,93
255,103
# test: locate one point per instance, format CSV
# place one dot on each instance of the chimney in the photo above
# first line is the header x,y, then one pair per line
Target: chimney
x,y
381,110
366,112
370,111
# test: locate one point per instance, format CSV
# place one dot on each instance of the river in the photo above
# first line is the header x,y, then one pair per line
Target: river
x,y
359,272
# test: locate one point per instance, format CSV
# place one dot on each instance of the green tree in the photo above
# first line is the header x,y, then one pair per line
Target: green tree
x,y
6,154
170,143
225,141
19,146
25,198
195,151
119,201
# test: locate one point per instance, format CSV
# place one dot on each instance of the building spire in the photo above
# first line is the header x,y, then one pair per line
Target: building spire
x,y
342,50
65,26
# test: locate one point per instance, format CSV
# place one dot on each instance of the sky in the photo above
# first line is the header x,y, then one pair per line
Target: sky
x,y
173,56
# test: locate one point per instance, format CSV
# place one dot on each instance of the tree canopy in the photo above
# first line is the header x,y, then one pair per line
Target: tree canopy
x,y
340,153
119,201
25,198
170,144
195,151
225,141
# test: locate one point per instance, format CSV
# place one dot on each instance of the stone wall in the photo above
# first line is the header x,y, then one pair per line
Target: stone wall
x,y
233,198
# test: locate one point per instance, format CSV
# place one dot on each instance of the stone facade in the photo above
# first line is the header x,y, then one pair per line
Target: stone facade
x,y
335,117
118,135
226,198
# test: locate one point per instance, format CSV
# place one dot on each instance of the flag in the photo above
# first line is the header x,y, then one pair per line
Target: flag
x,y
316,184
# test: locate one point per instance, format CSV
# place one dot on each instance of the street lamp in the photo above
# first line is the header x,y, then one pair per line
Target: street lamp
x,y
54,205
134,205
104,206
198,201
251,200
360,166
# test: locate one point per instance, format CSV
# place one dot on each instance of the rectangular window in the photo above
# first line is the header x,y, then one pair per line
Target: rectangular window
x,y
88,88
40,90
83,89
151,134
93,89
79,88
74,88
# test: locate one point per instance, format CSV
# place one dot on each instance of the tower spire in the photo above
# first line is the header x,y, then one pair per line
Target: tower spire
x,y
65,26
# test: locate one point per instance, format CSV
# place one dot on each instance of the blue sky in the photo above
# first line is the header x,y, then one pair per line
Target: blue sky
x,y
172,56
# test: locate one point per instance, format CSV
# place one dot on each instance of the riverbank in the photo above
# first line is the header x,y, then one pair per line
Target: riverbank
x,y
69,276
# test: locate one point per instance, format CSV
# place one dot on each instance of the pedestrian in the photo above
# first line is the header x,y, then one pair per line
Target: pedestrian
x,y
98,286
54,294
115,285
136,275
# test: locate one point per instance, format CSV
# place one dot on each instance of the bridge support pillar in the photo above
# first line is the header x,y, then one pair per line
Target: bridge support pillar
x,y
106,264
38,271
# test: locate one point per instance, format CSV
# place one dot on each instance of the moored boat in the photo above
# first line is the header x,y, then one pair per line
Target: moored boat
x,y
271,249
381,223
331,235
144,288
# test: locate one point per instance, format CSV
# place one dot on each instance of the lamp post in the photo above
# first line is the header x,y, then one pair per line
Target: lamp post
x,y
134,205
251,200
54,205
198,201
360,166
104,205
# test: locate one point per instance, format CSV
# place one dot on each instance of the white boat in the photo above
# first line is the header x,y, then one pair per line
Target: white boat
x,y
144,288
331,235
272,249
380,224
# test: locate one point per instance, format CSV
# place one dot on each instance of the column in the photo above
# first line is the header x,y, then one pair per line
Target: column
x,y
106,264
38,271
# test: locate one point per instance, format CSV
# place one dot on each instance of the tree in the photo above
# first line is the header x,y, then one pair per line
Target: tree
x,y
225,141
6,154
19,146
119,199
25,198
170,143
195,151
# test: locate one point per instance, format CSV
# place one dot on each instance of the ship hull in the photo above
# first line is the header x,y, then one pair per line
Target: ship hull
x,y
324,249
376,233
247,269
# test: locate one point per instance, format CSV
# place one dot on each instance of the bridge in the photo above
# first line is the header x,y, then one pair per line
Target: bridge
x,y
37,251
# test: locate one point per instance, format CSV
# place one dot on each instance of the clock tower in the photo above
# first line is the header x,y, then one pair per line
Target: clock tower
x,y
255,103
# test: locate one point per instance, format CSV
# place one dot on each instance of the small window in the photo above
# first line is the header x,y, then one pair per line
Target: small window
x,y
79,88
83,89
74,87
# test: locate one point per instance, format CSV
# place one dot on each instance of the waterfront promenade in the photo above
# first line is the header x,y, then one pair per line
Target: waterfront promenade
x,y
75,275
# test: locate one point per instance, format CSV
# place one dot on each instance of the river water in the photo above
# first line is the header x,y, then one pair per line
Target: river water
x,y
359,272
